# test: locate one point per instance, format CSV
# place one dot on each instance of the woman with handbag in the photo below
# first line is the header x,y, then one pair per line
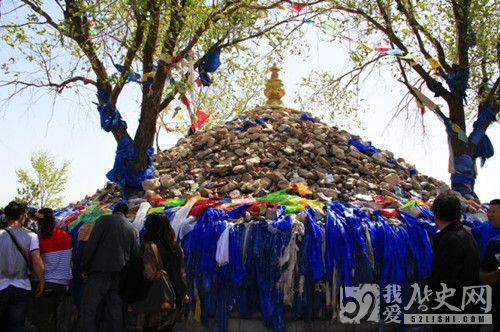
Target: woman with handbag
x,y
164,267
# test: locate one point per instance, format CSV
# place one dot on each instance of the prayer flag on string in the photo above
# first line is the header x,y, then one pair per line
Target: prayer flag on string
x,y
365,47
408,56
394,51
147,76
329,26
262,13
459,131
176,112
297,8
132,75
185,101
201,118
424,99
433,63
381,49
420,106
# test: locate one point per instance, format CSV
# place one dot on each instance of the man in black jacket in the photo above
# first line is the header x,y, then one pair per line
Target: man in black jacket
x,y
111,244
455,262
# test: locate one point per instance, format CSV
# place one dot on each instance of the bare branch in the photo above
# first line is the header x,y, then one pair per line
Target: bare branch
x,y
22,24
416,28
494,94
37,9
58,87
12,10
129,58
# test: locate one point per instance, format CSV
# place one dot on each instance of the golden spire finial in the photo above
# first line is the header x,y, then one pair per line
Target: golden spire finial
x,y
274,88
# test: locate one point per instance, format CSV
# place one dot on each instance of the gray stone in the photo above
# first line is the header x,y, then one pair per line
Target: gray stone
x,y
151,184
251,162
222,168
205,192
229,187
337,152
288,151
235,194
167,181
176,193
283,184
149,193
321,151
392,179
239,169
329,192
246,177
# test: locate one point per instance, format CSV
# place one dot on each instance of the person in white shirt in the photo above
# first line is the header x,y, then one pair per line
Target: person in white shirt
x,y
20,256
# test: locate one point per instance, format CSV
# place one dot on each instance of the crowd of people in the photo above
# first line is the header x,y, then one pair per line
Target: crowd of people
x,y
37,271
118,282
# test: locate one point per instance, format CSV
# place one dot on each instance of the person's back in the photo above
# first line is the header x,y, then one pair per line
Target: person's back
x,y
456,259
19,256
455,262
173,263
111,243
161,253
56,253
12,264
56,250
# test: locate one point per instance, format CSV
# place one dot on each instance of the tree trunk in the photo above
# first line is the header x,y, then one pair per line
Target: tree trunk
x,y
144,137
462,164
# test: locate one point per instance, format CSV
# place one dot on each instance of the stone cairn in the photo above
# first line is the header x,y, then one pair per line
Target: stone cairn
x,y
241,160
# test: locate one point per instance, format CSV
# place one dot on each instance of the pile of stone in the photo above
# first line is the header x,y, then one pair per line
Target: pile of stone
x,y
281,149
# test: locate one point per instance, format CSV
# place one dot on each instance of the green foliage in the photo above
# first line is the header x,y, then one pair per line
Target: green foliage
x,y
434,24
80,36
43,184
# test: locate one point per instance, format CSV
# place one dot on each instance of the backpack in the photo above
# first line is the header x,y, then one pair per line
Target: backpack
x,y
132,286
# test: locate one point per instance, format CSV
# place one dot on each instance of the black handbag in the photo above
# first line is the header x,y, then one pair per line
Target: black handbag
x,y
160,292
133,287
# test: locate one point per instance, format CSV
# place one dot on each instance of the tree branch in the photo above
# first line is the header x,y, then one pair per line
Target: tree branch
x,y
416,27
152,37
58,87
461,13
129,58
494,95
81,35
38,9
398,42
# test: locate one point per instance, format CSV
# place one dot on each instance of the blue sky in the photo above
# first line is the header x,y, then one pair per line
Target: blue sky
x,y
72,133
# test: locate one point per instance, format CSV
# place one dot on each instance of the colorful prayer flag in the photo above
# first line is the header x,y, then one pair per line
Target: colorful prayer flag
x,y
297,8
329,26
433,63
365,47
185,101
201,117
